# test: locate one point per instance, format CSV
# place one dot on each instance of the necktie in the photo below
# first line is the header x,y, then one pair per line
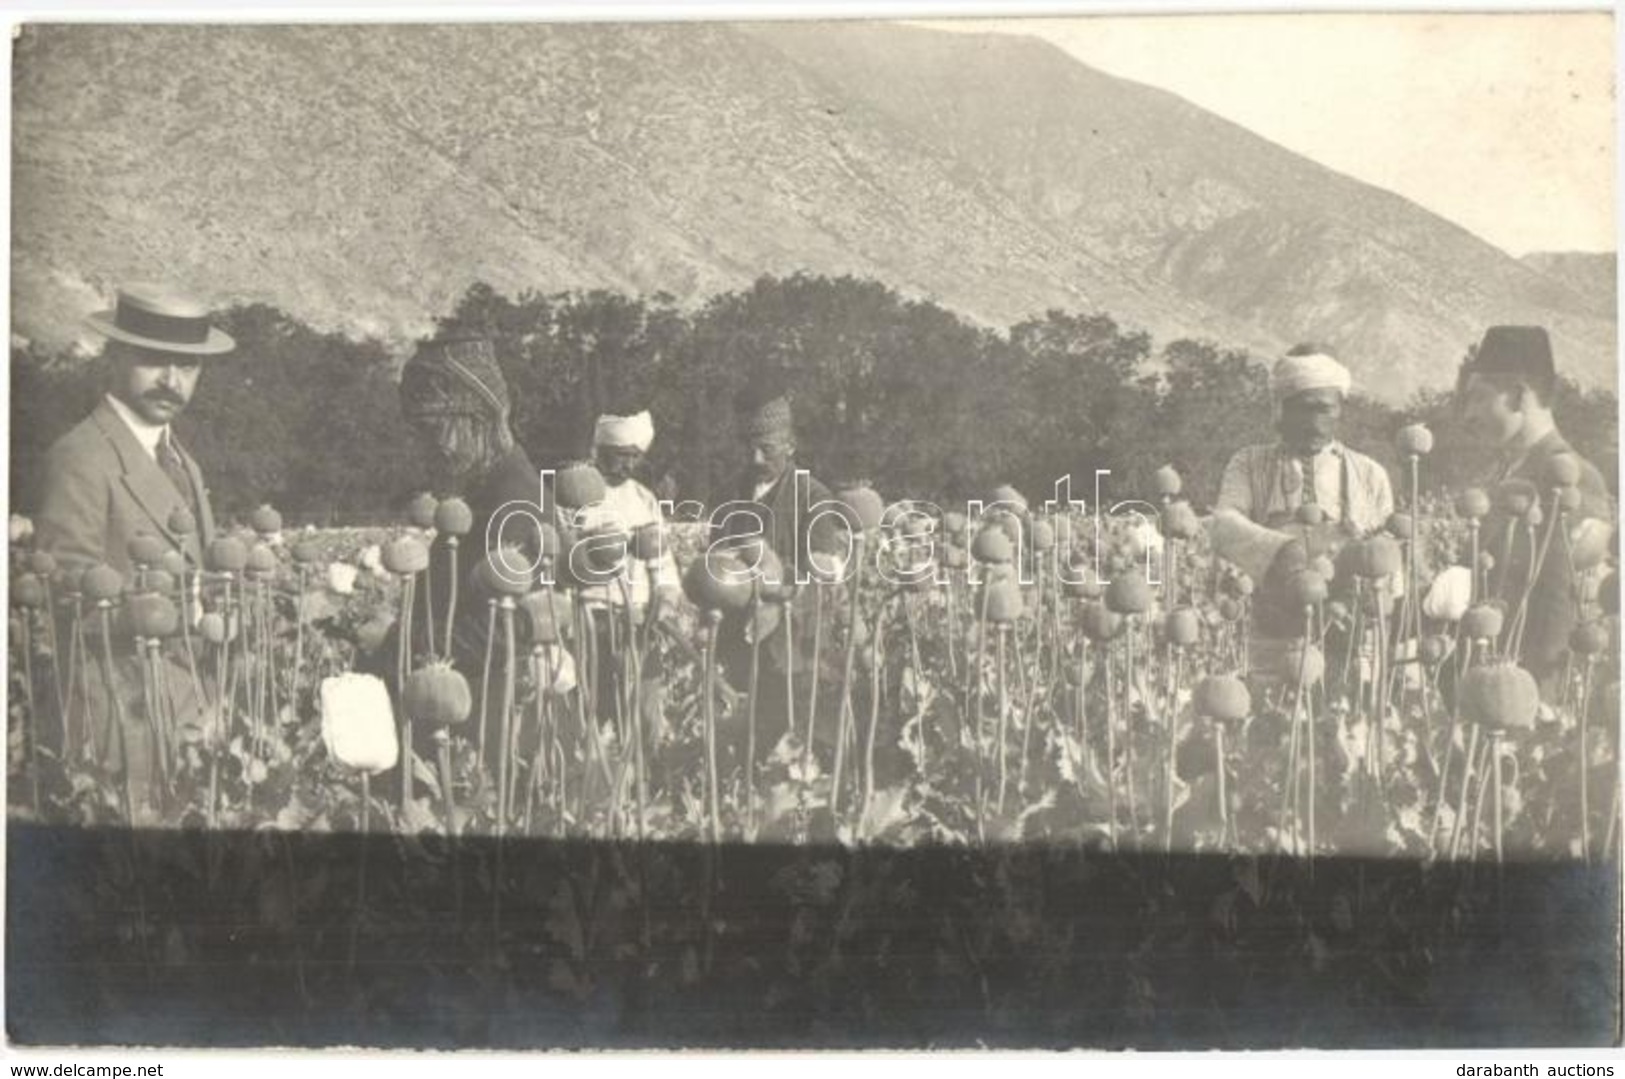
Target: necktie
x,y
169,459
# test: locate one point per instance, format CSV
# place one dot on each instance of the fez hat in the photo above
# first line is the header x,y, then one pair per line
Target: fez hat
x,y
163,319
1516,350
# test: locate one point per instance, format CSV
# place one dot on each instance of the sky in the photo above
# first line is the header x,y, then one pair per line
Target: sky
x,y
1503,123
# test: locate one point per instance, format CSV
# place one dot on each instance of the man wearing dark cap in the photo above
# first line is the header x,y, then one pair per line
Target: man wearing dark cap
x,y
769,496
1506,391
121,473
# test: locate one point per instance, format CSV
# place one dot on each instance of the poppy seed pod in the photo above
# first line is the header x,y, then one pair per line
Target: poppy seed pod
x,y
358,725
42,563
1589,638
580,484
1307,588
648,542
953,523
153,614
599,556
1229,610
215,629
1222,697
1337,611
1569,499
1534,516
28,591
1003,601
405,555
1302,663
1562,470
307,552
954,557
101,583
453,517
503,571
1473,503
1399,526
181,522
173,563
1415,440
1500,696
862,508
1516,496
261,561
1377,557
547,617
1486,562
1043,536
718,581
1129,593
1081,583
1449,594
1183,627
226,555
421,510
1241,585
1434,648
1482,622
1179,521
992,546
145,549
161,581
1166,482
1323,565
1099,622
265,520
437,694
1310,514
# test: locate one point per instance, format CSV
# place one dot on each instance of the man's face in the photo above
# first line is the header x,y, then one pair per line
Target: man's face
x,y
618,463
156,385
770,456
1492,415
1309,419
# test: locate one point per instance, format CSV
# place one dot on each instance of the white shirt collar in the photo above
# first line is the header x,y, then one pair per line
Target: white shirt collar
x,y
1333,448
148,434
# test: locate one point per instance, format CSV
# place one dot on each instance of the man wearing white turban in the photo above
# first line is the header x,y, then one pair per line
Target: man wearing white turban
x,y
619,444
1268,483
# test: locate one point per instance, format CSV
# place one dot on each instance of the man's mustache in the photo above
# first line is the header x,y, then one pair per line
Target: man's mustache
x,y
163,397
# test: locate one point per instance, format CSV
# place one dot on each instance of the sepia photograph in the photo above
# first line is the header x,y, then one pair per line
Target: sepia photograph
x,y
1081,531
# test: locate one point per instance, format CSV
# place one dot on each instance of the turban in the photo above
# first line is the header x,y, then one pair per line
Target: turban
x,y
1300,374
769,419
454,377
635,432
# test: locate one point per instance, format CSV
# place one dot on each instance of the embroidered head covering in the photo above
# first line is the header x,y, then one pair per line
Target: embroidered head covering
x,y
458,377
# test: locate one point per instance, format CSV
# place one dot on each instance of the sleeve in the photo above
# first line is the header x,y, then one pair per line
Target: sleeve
x,y
1236,488
1382,494
72,521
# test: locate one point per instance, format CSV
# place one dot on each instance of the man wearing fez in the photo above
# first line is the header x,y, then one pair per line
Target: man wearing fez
x,y
769,499
121,473
1505,392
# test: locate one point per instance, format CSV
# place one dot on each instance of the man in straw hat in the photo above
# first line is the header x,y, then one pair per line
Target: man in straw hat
x,y
118,474
1505,391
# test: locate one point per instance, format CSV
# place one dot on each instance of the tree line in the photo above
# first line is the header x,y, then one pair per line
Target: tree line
x,y
903,394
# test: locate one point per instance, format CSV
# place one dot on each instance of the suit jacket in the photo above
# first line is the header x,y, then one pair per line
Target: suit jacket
x,y
101,488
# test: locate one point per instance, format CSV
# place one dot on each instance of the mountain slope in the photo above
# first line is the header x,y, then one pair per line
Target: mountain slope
x,y
362,177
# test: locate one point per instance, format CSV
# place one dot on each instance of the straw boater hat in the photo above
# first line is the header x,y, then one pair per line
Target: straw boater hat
x,y
161,318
